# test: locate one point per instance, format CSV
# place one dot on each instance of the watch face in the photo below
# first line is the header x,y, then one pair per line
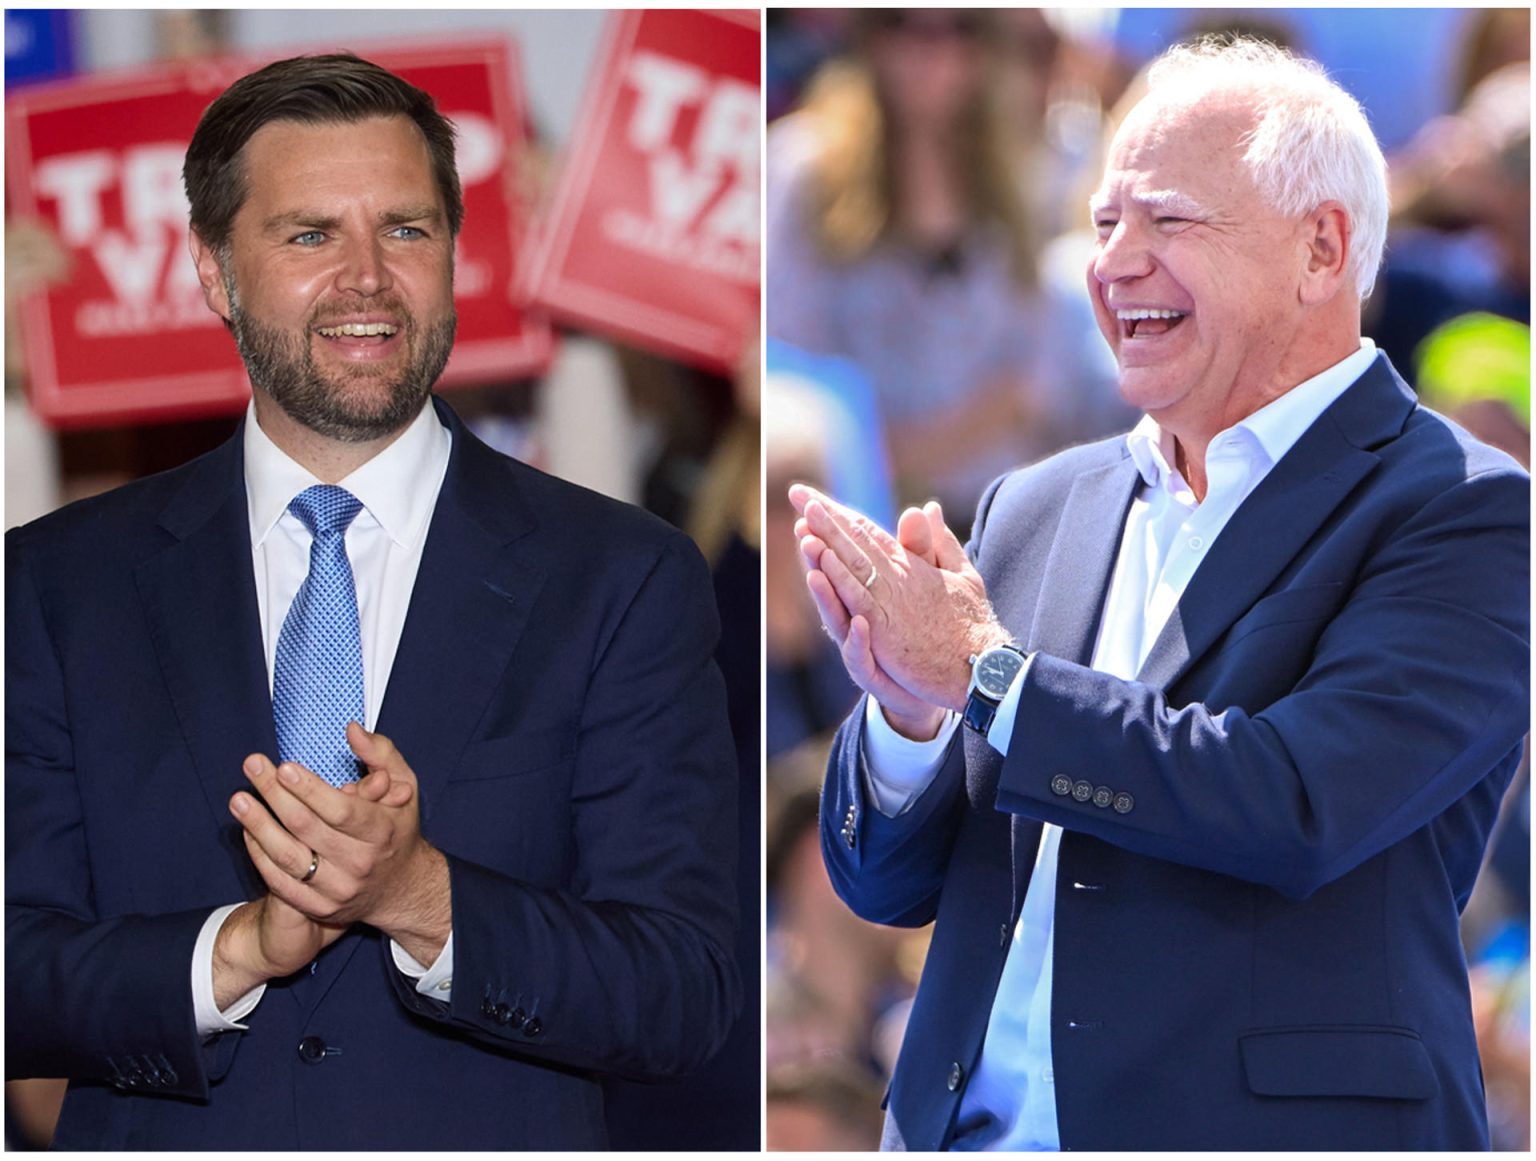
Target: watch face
x,y
995,671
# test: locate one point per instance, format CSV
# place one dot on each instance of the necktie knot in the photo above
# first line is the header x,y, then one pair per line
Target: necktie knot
x,y
325,508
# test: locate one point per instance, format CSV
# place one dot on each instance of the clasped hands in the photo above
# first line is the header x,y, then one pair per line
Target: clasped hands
x,y
907,611
371,865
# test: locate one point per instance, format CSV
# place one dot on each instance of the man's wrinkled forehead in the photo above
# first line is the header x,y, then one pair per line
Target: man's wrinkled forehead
x,y
1162,137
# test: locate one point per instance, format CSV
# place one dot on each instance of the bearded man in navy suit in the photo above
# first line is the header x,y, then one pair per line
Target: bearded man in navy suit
x,y
1193,754
532,883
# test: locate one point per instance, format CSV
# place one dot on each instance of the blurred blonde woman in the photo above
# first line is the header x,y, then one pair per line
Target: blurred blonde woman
x,y
898,238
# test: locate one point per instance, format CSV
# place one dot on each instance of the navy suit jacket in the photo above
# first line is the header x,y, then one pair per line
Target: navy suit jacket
x,y
1269,835
555,694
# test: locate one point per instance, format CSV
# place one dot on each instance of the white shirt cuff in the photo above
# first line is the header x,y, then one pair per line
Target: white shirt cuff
x,y
205,1010
435,981
896,769
1001,728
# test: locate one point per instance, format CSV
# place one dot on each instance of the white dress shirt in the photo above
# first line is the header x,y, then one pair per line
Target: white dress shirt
x,y
398,489
1010,1102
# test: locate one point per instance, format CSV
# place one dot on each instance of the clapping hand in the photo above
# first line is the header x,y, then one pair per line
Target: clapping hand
x,y
907,611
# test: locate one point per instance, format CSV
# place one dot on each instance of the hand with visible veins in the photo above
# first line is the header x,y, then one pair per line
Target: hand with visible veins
x,y
909,715
908,611
374,866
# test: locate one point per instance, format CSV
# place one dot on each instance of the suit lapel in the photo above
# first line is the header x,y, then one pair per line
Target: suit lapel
x,y
472,597
1072,592
199,598
1080,562
1278,519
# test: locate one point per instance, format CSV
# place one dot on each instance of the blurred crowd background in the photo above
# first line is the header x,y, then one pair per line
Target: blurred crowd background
x,y
675,439
928,328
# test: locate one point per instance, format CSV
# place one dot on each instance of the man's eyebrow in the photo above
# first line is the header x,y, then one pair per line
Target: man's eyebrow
x,y
297,219
421,213
1166,200
1171,200
318,220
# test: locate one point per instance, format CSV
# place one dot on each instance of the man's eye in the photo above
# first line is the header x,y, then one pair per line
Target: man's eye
x,y
408,232
309,238
1168,220
1105,225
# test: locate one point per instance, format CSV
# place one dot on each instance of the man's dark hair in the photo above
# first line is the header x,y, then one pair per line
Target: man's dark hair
x,y
312,90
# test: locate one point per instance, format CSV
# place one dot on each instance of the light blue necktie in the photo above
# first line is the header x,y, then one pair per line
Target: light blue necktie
x,y
317,680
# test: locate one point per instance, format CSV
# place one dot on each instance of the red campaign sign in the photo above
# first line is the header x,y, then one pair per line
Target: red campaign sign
x,y
653,233
128,338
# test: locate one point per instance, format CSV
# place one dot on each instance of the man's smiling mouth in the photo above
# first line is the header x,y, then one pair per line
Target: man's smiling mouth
x,y
358,330
1147,322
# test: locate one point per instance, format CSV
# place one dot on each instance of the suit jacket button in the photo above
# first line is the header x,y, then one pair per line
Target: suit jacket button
x,y
312,1049
1061,784
502,1013
516,1018
851,838
1002,935
956,1077
1103,796
533,1027
1082,791
488,1009
1124,803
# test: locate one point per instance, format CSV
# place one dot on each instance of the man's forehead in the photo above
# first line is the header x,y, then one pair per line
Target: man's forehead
x,y
1185,141
285,151
1161,122
302,173
290,131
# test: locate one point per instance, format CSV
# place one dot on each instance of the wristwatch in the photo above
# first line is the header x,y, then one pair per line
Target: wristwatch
x,y
992,675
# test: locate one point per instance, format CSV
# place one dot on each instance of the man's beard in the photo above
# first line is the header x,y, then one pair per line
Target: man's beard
x,y
284,367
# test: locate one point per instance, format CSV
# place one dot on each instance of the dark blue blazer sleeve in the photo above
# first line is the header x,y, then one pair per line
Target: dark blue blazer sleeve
x,y
888,870
628,969
108,1000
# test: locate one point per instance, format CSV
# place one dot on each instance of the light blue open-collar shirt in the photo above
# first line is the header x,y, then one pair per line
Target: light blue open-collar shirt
x,y
1010,1102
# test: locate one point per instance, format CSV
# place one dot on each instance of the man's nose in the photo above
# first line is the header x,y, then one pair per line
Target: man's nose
x,y
364,268
1123,254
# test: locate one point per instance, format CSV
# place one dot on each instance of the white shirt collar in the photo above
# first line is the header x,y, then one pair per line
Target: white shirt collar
x,y
392,486
1274,428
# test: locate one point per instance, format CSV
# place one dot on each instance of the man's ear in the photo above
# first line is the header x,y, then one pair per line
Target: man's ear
x,y
209,274
1327,241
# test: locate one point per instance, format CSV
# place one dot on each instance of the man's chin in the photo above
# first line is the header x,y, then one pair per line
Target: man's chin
x,y
352,417
365,424
363,429
1144,392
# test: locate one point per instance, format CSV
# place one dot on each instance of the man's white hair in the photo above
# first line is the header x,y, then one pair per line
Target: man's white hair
x,y
1311,144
